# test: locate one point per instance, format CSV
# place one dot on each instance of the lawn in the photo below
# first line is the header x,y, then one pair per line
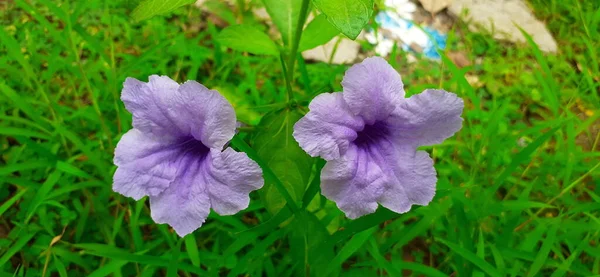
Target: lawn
x,y
518,191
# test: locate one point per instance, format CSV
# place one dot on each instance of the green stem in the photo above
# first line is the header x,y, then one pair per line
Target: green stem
x,y
288,81
298,35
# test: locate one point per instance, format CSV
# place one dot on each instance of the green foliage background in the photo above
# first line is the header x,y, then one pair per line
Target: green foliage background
x,y
518,191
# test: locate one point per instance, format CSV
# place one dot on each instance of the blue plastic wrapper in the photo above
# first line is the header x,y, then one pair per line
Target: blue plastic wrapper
x,y
429,40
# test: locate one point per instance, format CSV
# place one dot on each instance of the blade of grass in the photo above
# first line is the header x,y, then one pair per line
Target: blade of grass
x,y
108,269
8,203
107,251
542,255
471,257
355,243
419,268
191,248
17,246
520,158
42,193
60,267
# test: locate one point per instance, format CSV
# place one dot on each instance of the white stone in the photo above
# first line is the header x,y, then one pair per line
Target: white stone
x,y
503,17
434,6
346,52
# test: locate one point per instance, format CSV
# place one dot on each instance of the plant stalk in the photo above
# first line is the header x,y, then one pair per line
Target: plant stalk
x,y
294,50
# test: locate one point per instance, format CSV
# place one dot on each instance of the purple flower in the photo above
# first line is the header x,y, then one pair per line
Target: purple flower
x,y
369,134
174,153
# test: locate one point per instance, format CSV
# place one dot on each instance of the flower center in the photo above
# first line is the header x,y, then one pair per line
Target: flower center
x,y
372,133
194,147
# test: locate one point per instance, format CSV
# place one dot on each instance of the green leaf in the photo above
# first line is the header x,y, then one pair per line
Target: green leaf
x,y
14,131
220,9
498,259
419,228
542,256
247,38
150,8
258,249
42,193
8,203
285,14
249,236
60,267
19,244
522,157
192,249
307,234
118,254
275,145
268,173
318,32
419,268
108,268
382,263
471,257
348,16
355,243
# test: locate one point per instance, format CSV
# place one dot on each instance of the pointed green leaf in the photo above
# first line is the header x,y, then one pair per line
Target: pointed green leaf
x,y
150,8
285,14
471,257
349,16
522,157
306,236
542,256
247,38
274,144
355,243
318,32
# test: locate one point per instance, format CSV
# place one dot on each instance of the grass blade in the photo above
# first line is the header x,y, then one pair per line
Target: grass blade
x,y
542,255
471,257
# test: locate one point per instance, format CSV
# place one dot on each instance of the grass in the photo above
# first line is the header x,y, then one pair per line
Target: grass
x,y
518,190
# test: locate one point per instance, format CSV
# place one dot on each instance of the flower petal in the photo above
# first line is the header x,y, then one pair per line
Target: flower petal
x,y
427,118
184,205
231,176
328,128
143,100
416,183
356,180
203,113
372,89
146,165
164,108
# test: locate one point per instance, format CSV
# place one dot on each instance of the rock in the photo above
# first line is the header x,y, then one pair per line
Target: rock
x,y
501,17
346,52
404,8
434,6
460,59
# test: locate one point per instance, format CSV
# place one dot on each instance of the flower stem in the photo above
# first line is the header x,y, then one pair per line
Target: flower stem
x,y
294,50
288,81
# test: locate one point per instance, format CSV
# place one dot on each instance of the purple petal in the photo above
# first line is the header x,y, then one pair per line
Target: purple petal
x,y
328,128
372,89
230,178
146,165
162,107
203,113
214,179
427,118
356,180
144,101
416,183
184,205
